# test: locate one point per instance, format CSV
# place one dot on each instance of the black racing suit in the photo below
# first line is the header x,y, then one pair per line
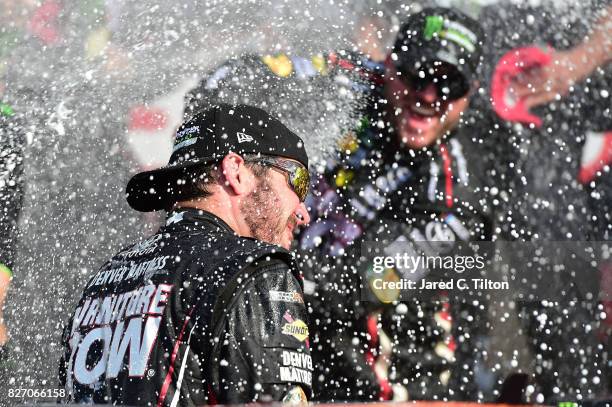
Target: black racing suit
x,y
375,190
193,315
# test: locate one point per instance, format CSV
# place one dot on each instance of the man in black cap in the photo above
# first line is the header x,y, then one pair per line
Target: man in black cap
x,y
405,175
210,308
430,74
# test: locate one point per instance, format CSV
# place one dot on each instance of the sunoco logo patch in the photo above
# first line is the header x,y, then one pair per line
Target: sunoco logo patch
x,y
295,327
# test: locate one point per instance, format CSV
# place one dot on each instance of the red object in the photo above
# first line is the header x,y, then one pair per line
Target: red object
x,y
607,321
168,379
334,60
597,153
445,314
606,300
43,23
147,118
386,391
451,343
448,175
510,66
212,397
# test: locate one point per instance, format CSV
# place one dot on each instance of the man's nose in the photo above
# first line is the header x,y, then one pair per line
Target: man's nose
x,y
301,213
429,94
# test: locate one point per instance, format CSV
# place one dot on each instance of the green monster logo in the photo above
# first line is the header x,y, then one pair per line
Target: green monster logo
x,y
433,25
6,110
449,30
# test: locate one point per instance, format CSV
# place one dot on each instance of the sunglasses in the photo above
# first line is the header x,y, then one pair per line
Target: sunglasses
x,y
450,85
298,177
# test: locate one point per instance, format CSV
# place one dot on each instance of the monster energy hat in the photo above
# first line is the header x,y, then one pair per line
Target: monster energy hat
x,y
439,35
205,139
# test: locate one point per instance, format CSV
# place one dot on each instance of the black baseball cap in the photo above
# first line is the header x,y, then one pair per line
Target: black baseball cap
x,y
205,139
439,35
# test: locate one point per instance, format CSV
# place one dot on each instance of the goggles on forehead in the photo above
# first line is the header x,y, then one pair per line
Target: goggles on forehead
x,y
450,84
298,177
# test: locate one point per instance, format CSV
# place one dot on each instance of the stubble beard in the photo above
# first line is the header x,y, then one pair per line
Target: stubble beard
x,y
263,215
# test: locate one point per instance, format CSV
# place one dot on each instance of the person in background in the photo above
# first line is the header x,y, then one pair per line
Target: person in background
x,y
411,171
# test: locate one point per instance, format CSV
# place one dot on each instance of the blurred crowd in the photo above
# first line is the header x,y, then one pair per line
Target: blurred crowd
x,y
92,91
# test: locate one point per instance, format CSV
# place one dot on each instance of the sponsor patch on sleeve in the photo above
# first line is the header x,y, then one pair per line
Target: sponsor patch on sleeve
x,y
286,296
295,327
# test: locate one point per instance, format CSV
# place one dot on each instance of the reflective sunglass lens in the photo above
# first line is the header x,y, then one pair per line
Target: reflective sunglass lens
x,y
300,181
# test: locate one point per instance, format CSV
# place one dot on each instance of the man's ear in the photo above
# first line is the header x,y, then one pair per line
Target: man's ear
x,y
236,176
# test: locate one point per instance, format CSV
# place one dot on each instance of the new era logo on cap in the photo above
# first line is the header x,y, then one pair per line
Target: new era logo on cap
x,y
243,137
